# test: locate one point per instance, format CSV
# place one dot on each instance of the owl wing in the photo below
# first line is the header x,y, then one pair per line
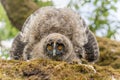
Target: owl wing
x,y
91,48
17,48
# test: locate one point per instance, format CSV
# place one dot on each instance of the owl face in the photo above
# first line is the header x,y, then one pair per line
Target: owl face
x,y
55,47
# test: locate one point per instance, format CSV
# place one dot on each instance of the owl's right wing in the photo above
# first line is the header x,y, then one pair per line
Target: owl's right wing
x,y
17,48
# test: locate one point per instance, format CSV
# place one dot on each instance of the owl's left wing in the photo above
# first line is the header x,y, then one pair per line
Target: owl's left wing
x,y
91,48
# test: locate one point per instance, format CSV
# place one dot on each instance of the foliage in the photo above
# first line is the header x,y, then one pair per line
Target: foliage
x,y
7,31
99,18
4,52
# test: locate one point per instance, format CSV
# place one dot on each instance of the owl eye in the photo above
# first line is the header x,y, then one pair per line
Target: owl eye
x,y
60,47
49,47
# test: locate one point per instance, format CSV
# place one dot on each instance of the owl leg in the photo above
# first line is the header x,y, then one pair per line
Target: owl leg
x,y
91,48
16,50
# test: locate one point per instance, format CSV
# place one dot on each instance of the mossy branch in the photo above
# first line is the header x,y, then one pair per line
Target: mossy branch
x,y
109,52
52,70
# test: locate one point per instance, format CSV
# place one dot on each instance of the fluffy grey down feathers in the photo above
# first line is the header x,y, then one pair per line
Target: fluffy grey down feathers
x,y
47,22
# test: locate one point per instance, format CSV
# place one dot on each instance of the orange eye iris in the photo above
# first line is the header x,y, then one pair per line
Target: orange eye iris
x,y
49,48
60,47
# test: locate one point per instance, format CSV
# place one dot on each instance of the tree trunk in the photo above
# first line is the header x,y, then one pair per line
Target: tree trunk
x,y
19,10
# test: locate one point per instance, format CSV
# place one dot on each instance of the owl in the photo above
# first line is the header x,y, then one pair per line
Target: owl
x,y
56,47
47,23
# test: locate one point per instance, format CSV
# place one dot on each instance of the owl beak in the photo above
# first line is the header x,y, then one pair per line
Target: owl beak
x,y
54,52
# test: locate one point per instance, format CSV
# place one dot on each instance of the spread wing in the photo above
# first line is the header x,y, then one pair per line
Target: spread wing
x,y
17,48
91,48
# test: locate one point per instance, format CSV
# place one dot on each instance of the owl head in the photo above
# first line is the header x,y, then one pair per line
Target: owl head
x,y
57,46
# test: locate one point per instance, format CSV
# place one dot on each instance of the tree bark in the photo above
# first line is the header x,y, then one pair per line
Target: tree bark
x,y
18,10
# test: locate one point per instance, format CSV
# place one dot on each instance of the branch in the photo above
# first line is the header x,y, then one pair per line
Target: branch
x,y
52,70
18,10
109,52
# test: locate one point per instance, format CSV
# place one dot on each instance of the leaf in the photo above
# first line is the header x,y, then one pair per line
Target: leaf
x,y
106,13
114,8
95,2
76,6
102,22
115,1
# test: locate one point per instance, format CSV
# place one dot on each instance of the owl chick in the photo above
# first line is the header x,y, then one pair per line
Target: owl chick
x,y
48,20
55,46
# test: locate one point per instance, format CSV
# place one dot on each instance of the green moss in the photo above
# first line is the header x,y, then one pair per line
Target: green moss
x,y
116,64
53,70
109,53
